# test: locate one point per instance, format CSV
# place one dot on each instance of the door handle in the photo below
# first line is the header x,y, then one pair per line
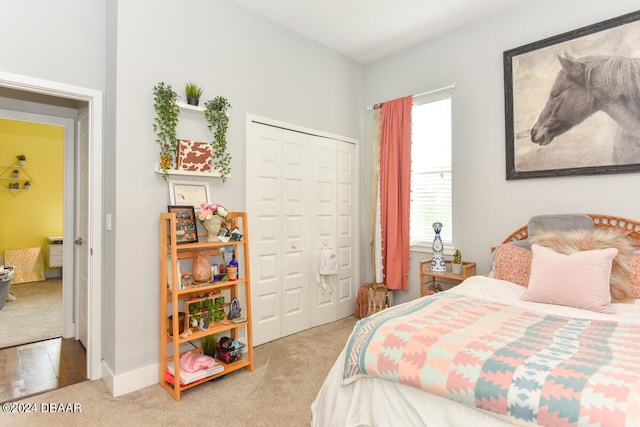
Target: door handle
x,y
78,241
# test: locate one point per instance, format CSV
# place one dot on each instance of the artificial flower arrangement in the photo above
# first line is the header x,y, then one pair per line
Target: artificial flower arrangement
x,y
208,210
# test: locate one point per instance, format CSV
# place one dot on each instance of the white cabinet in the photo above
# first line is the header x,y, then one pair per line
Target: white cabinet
x,y
55,251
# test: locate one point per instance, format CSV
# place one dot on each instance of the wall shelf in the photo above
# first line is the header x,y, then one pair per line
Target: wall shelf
x,y
198,108
14,185
188,107
176,172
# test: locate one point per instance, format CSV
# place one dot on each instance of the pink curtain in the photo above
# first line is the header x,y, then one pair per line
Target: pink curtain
x,y
395,187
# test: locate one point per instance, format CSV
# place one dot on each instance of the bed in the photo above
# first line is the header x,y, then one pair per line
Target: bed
x,y
550,337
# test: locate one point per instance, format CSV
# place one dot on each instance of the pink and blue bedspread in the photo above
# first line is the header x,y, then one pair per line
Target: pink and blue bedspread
x,y
537,368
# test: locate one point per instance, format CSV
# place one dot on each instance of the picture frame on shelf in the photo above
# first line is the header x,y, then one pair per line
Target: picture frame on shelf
x,y
186,231
189,193
543,80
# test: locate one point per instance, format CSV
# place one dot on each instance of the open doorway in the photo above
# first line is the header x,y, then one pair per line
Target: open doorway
x,y
31,222
82,259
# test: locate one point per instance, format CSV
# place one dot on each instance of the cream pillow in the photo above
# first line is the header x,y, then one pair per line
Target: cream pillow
x,y
579,280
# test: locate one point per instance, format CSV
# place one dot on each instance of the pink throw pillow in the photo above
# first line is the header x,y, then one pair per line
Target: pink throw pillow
x,y
567,242
512,263
579,280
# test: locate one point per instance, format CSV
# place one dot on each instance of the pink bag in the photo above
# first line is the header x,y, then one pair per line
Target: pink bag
x,y
194,361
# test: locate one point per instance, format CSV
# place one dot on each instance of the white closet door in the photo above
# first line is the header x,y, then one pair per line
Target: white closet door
x,y
323,225
346,228
301,198
295,199
264,207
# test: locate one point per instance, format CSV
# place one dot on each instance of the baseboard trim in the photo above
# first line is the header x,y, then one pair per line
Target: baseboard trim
x,y
131,381
53,274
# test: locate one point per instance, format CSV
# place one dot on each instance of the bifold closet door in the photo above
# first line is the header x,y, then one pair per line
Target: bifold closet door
x,y
323,228
346,222
277,201
333,227
300,200
264,208
296,273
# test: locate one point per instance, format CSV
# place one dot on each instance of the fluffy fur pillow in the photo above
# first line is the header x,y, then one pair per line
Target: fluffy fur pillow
x,y
635,275
568,242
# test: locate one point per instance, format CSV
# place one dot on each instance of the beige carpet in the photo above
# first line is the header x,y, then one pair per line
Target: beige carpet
x,y
35,315
287,377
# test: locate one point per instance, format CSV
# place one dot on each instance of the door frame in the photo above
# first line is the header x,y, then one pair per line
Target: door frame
x,y
93,98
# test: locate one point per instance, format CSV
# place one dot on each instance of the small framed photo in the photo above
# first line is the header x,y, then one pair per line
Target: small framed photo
x,y
185,224
189,193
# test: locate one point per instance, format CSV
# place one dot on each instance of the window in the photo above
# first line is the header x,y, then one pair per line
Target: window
x,y
431,170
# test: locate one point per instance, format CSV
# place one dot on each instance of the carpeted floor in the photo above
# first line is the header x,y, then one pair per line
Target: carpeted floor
x,y
287,377
36,314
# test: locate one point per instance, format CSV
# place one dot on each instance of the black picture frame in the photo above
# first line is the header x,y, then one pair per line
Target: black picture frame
x,y
592,146
186,228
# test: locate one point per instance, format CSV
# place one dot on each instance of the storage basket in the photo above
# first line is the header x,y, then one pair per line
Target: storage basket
x,y
379,298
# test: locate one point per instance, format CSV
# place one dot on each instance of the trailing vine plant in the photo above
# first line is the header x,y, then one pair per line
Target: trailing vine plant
x,y
218,122
165,123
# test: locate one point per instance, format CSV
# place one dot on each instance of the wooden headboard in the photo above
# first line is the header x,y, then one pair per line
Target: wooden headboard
x,y
600,221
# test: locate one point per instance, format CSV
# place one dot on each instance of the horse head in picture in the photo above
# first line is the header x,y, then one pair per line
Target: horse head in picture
x,y
586,85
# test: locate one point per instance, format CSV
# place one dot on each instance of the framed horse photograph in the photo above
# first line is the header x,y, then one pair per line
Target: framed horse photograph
x,y
572,102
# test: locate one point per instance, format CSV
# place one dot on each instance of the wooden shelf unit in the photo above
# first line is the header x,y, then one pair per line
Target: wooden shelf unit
x,y
429,278
175,297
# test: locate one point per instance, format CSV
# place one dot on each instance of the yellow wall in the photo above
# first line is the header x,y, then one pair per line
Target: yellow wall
x,y
27,218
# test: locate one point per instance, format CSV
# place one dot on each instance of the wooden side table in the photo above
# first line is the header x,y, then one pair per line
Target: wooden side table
x,y
428,278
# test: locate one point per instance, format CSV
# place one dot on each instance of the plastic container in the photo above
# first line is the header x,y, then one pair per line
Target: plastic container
x,y
5,286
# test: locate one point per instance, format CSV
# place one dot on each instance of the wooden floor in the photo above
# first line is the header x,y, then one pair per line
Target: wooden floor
x,y
34,368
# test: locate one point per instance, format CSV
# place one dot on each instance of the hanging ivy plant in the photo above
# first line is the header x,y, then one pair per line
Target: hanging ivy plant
x,y
218,122
165,123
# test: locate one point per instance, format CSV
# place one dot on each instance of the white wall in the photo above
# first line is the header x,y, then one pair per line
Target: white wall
x,y
261,68
61,41
487,208
124,48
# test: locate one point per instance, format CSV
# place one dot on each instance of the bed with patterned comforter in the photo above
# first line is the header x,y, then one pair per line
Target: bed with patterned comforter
x,y
495,354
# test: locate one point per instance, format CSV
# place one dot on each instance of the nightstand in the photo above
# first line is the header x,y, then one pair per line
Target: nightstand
x,y
55,251
433,281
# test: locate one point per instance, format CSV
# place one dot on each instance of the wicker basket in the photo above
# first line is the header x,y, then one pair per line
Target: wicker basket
x,y
379,298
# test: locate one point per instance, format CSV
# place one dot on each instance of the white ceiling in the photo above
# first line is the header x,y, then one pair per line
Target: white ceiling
x,y
367,30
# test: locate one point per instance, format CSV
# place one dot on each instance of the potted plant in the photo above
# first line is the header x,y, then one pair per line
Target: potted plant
x,y
21,159
456,264
165,123
194,92
15,173
27,185
218,122
209,345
